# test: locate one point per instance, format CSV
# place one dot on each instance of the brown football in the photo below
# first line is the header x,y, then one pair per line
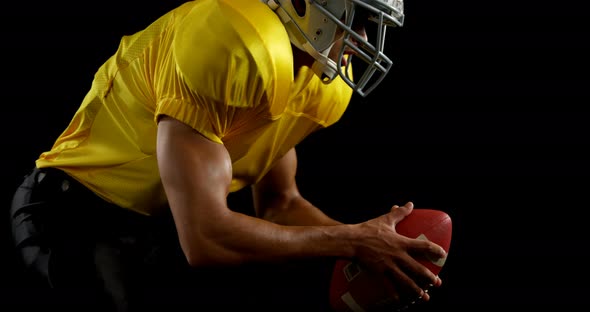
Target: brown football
x,y
353,289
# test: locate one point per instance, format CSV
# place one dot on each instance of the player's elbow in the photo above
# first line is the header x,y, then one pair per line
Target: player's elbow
x,y
196,258
205,252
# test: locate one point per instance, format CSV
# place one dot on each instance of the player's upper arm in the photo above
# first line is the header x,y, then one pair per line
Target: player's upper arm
x,y
196,173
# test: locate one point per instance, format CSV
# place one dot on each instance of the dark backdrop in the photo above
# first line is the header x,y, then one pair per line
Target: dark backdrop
x,y
483,117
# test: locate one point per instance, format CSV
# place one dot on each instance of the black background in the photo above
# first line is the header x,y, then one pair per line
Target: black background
x,y
483,116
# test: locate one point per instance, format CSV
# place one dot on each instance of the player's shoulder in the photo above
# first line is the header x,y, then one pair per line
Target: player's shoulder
x,y
236,52
246,26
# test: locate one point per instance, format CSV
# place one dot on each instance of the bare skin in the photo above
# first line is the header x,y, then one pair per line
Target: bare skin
x,y
196,174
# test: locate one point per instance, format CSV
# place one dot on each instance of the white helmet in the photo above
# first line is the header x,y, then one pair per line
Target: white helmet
x,y
312,26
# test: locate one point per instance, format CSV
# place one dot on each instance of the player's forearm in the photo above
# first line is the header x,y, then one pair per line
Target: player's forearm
x,y
238,238
297,211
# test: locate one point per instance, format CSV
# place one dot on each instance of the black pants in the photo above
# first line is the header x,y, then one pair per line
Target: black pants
x,y
81,253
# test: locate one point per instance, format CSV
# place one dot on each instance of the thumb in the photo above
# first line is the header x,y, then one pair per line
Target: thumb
x,y
398,213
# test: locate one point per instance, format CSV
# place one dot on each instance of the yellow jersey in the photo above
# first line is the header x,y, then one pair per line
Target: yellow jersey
x,y
223,67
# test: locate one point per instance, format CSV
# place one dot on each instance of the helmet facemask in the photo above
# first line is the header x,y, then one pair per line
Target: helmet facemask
x,y
372,17
313,25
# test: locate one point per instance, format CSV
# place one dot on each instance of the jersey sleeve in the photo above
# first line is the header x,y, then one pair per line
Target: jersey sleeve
x,y
227,68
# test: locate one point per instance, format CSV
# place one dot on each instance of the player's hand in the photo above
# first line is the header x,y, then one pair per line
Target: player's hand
x,y
382,250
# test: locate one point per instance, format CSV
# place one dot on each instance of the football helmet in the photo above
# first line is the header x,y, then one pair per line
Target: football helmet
x,y
314,25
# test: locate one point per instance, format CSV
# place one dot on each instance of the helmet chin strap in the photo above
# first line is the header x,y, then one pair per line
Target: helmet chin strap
x,y
323,66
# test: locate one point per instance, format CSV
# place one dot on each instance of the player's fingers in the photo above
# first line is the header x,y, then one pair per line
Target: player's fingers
x,y
427,249
416,270
403,282
395,297
398,213
406,305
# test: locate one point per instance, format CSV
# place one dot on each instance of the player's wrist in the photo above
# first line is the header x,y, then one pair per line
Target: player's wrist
x,y
359,236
